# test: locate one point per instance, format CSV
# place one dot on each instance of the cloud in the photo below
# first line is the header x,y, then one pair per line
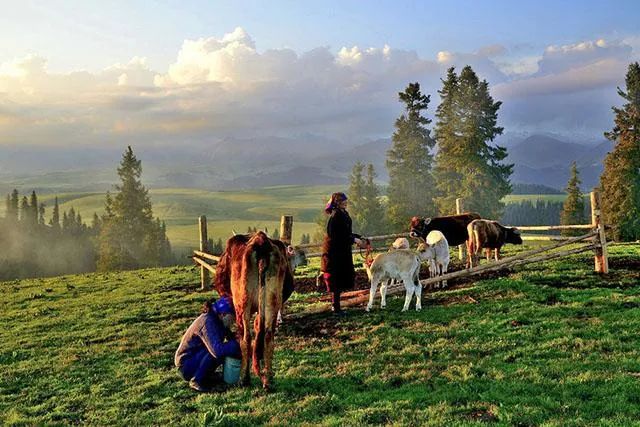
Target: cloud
x,y
225,86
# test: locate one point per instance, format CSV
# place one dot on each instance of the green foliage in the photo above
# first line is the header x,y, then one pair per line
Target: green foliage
x,y
573,207
620,181
365,207
129,237
409,161
551,344
467,164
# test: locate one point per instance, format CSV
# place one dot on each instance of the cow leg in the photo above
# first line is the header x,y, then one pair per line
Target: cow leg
x,y
372,292
267,374
383,294
245,346
410,288
487,253
497,254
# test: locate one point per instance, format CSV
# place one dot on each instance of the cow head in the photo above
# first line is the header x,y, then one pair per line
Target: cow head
x,y
418,227
297,257
513,236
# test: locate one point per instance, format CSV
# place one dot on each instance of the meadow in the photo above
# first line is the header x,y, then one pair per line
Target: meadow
x,y
547,344
227,210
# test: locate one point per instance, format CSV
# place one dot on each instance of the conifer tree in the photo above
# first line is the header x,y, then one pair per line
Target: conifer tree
x,y
14,211
7,205
409,161
33,204
55,216
573,206
356,196
41,220
467,164
25,210
620,181
129,237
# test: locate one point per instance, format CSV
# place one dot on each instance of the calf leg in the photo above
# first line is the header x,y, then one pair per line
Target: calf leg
x,y
445,267
410,288
383,294
372,292
417,288
497,253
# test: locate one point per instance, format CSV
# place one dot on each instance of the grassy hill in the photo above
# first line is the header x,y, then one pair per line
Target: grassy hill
x,y
549,344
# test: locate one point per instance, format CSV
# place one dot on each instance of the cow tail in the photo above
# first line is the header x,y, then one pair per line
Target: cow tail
x,y
263,265
476,241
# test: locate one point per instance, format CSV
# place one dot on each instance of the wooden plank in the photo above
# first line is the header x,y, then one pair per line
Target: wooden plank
x,y
205,255
203,264
461,248
553,227
286,229
541,237
601,256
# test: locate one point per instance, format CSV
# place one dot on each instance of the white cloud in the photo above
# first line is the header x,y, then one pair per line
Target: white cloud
x,y
225,86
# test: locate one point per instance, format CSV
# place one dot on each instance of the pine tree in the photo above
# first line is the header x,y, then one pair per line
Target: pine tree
x,y
7,206
573,207
25,210
356,194
34,208
14,211
620,181
467,165
410,162
41,220
276,234
55,216
129,236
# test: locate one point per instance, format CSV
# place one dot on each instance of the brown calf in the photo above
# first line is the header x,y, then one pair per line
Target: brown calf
x,y
485,234
257,275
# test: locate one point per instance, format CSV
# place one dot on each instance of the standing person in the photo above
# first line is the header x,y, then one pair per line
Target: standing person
x,y
337,262
203,346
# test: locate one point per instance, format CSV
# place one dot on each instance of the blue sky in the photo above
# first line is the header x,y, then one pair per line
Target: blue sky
x,y
89,72
95,34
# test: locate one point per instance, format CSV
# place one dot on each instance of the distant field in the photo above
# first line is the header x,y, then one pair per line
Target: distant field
x,y
225,210
228,210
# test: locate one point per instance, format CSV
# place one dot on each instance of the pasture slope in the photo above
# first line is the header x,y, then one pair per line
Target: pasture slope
x,y
550,344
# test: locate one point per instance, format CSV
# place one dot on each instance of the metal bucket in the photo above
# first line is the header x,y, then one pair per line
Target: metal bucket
x,y
231,370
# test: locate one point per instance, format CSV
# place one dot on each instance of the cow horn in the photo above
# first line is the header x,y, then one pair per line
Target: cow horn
x,y
234,232
290,250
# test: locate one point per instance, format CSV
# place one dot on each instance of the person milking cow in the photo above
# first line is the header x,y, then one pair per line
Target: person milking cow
x,y
337,261
206,343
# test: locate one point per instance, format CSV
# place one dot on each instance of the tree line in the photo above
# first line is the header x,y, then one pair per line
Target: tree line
x,y
126,236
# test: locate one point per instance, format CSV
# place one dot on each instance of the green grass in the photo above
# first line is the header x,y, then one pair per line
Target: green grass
x,y
551,344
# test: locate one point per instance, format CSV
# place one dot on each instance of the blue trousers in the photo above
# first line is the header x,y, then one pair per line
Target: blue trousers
x,y
200,367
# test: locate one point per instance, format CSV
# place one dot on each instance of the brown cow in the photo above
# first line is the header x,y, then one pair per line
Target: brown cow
x,y
489,235
454,227
257,275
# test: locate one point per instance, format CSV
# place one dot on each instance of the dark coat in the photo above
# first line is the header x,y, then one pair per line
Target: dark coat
x,y
336,252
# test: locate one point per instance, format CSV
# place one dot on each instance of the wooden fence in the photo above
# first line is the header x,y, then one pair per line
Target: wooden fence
x,y
595,238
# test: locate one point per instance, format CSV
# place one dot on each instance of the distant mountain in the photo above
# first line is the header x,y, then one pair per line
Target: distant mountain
x,y
544,160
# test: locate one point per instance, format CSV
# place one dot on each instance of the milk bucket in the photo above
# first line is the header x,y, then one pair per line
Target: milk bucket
x,y
231,370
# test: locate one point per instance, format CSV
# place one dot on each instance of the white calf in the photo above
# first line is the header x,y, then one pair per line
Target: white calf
x,y
402,265
435,250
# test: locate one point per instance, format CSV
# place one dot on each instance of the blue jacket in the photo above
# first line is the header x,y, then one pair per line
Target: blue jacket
x,y
207,331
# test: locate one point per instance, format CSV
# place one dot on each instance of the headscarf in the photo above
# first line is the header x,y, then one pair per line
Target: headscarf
x,y
334,201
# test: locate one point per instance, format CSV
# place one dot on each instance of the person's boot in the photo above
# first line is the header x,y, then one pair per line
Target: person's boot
x,y
198,387
335,308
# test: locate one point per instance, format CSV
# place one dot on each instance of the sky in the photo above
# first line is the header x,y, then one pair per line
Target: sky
x,y
91,72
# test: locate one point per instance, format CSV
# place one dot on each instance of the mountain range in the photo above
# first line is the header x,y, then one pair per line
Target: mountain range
x,y
266,161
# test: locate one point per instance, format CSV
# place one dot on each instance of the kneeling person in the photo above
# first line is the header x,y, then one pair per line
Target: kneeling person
x,y
203,346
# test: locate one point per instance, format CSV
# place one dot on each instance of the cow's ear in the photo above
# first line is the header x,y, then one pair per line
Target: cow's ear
x,y
427,221
290,250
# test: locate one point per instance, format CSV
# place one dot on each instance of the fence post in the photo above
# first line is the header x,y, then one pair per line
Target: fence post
x,y
462,249
286,229
204,247
601,258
